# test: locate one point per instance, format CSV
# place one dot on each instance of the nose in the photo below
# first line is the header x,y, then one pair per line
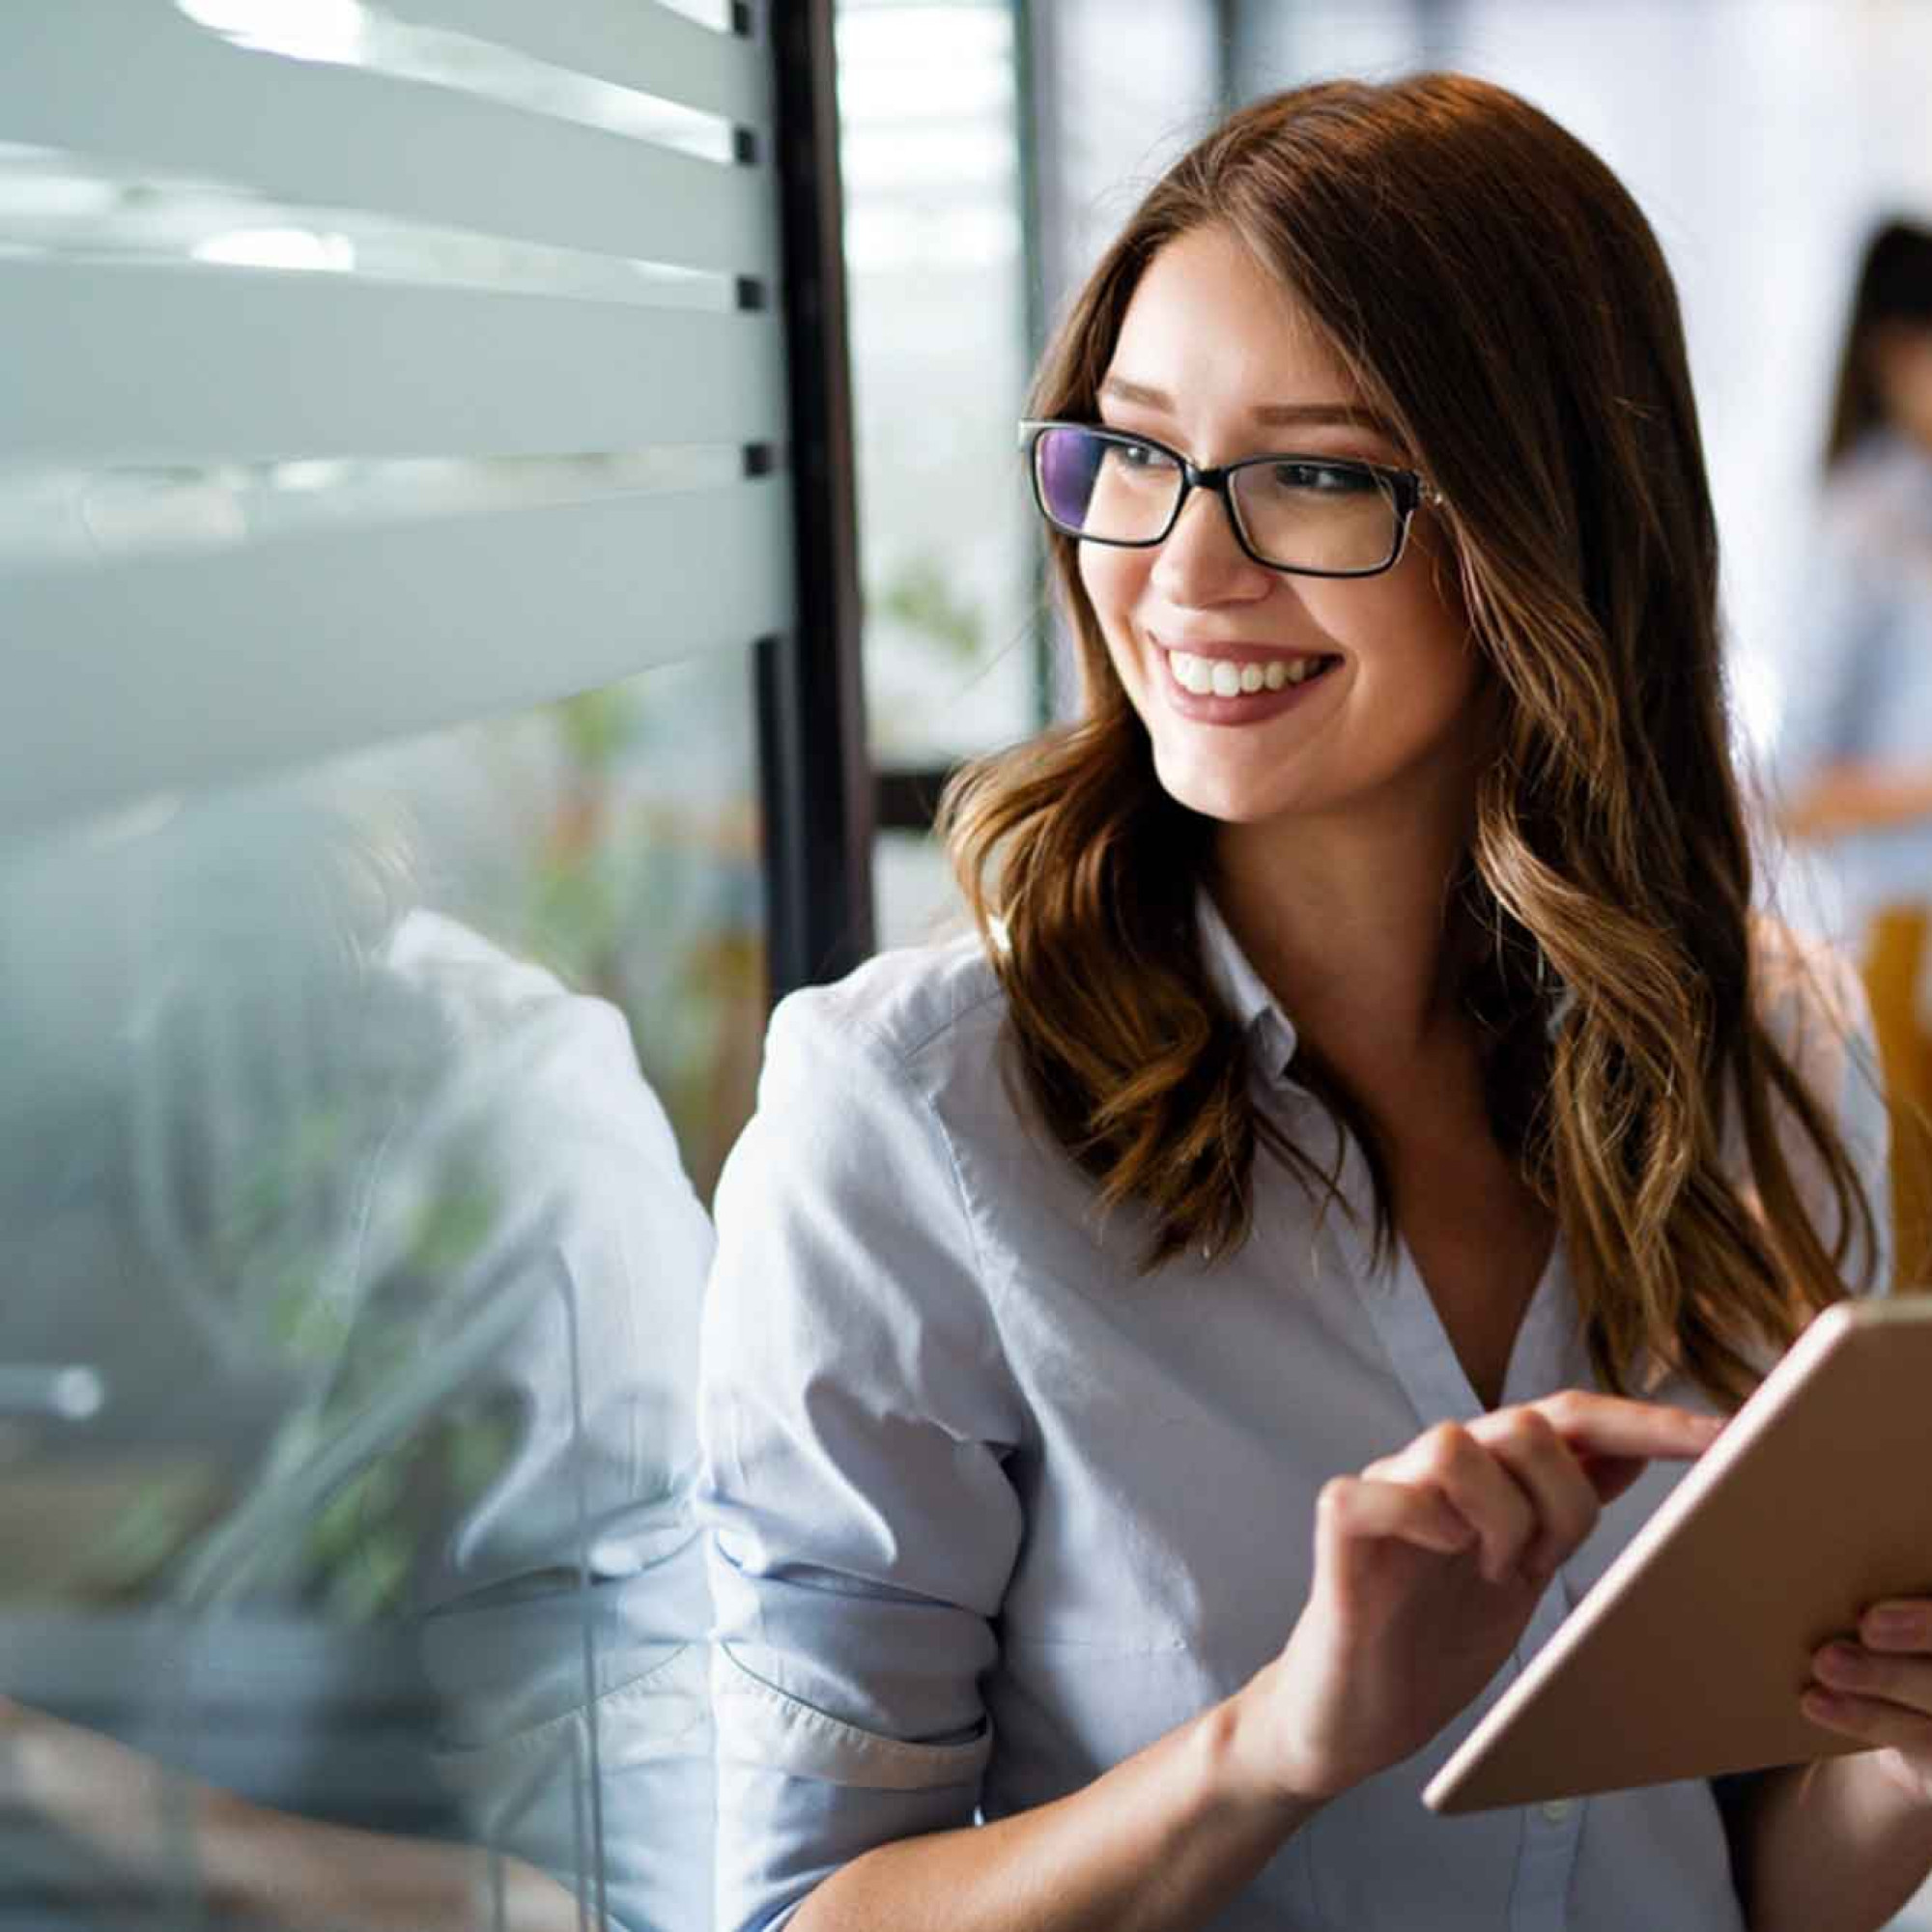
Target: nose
x,y
1200,563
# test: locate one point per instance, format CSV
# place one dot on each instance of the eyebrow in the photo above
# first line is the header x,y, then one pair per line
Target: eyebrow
x,y
1348,415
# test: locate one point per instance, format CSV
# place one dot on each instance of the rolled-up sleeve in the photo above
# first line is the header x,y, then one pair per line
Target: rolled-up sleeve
x,y
855,1414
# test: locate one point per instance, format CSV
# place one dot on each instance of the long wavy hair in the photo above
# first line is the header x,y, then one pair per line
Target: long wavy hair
x,y
1506,307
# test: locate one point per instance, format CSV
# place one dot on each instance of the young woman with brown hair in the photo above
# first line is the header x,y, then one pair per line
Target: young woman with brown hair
x,y
1168,1350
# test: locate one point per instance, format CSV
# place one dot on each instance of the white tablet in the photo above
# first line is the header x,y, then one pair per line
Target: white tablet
x,y
1687,1658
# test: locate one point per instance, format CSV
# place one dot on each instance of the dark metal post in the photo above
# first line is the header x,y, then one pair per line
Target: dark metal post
x,y
1440,31
1042,232
1231,49
812,727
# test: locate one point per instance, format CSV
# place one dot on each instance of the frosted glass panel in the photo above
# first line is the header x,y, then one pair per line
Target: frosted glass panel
x,y
346,1358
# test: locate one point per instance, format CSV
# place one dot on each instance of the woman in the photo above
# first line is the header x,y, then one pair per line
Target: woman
x,y
1855,743
1166,1356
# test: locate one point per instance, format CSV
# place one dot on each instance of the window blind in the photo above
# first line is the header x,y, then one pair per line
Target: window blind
x,y
370,368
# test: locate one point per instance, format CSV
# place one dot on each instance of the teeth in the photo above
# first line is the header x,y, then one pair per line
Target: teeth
x,y
1222,678
1192,673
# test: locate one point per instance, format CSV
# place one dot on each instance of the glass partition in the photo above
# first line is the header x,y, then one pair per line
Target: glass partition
x,y
347,1354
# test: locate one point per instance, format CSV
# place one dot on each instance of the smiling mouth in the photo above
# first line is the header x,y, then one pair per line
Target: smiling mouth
x,y
1229,678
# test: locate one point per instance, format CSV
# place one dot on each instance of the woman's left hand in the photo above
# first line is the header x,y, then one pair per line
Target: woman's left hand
x,y
1876,1686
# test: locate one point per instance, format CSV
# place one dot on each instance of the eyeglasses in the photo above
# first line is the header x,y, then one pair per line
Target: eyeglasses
x,y
1314,516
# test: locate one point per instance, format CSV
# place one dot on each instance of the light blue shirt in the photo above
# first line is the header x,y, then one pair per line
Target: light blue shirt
x,y
1858,677
992,1510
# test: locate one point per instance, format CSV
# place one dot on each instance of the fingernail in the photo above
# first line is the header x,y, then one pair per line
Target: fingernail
x,y
1840,1660
1893,1622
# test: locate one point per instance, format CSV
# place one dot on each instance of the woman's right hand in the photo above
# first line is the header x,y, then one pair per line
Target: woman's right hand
x,y
1428,1566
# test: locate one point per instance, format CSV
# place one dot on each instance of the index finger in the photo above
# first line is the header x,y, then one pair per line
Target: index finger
x,y
1619,1428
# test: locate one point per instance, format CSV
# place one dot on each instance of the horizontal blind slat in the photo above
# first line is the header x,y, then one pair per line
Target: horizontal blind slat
x,y
190,103
135,363
633,42
172,672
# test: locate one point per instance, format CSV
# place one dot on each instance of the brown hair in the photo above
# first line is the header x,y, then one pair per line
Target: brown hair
x,y
1895,284
1506,307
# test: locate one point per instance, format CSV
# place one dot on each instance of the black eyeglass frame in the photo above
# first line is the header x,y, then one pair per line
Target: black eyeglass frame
x,y
1409,488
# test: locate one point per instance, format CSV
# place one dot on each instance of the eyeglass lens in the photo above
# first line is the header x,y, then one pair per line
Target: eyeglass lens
x,y
1301,513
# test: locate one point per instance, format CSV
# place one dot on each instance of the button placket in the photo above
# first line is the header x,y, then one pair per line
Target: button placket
x,y
1554,1830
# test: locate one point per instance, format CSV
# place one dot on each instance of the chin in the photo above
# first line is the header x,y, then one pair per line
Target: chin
x,y
1215,792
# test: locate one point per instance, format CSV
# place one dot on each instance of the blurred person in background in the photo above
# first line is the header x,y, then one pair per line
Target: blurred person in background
x,y
1855,740
1854,752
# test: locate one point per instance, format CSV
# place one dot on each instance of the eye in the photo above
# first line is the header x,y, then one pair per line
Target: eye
x,y
1142,456
1324,480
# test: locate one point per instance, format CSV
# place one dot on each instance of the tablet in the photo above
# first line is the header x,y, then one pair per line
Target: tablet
x,y
1688,1657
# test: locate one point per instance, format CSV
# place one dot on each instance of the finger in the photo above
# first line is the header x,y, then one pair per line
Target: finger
x,y
1899,1623
1903,1681
1543,1466
1616,1426
1481,1490
1359,1507
1869,1719
1610,1476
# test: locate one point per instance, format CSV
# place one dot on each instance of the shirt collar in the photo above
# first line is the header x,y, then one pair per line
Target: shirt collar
x,y
1242,988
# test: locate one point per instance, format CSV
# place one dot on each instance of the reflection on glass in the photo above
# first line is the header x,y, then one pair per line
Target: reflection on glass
x,y
344,34
346,1575
86,208
615,837
79,518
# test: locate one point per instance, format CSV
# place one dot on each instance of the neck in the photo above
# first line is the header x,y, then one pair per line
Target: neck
x,y
1349,921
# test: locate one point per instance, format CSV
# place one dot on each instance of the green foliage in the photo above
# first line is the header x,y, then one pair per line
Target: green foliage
x,y
576,917
921,595
596,725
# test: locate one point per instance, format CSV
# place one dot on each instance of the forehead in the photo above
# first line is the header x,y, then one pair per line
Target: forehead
x,y
1211,328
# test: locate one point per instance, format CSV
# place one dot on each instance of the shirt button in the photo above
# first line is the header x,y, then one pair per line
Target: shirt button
x,y
1556,1810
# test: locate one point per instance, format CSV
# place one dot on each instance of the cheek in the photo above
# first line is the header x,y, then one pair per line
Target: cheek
x,y
1425,654
1107,575
1111,580
1437,676
1418,676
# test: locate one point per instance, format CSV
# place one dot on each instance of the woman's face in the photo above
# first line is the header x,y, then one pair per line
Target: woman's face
x,y
1216,360
1901,360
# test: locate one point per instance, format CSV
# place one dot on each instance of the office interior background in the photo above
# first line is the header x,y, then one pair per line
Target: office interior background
x,y
507,517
